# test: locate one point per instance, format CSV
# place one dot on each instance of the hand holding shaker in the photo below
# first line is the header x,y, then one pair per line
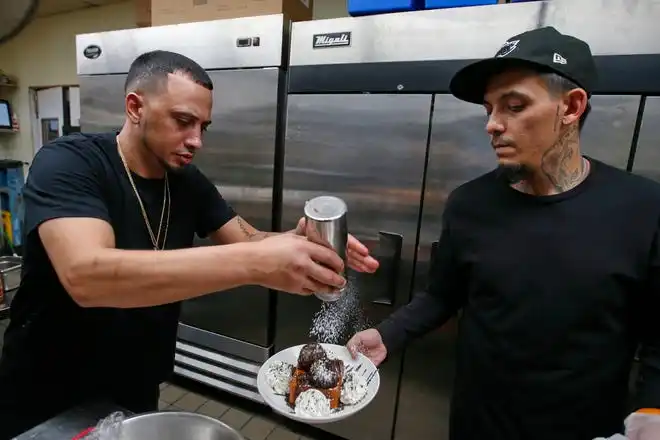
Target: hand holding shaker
x,y
325,224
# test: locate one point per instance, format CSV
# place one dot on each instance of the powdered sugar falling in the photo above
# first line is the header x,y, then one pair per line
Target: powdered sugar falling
x,y
337,321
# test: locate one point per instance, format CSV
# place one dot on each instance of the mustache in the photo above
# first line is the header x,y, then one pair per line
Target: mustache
x,y
499,143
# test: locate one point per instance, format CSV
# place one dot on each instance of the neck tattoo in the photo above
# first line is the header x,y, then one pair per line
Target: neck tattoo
x,y
558,165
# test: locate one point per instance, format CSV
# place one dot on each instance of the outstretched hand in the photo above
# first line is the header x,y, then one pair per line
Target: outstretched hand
x,y
357,254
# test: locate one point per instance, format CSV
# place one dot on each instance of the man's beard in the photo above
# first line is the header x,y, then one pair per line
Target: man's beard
x,y
514,173
146,143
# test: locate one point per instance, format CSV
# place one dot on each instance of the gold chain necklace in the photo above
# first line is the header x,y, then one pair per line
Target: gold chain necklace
x,y
155,239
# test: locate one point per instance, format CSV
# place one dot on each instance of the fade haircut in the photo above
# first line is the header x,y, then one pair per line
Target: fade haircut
x,y
149,71
558,85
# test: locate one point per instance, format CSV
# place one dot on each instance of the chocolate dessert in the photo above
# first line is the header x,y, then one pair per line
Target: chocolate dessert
x,y
326,373
309,354
316,371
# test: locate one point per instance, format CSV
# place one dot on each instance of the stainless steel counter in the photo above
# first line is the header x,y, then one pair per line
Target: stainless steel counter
x,y
70,423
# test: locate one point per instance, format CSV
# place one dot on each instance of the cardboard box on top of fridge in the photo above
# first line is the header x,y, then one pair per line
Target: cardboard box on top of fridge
x,y
164,12
143,13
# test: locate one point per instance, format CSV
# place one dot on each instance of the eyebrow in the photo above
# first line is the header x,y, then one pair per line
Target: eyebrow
x,y
191,115
508,95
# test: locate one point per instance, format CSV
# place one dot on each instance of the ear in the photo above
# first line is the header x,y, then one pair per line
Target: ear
x,y
134,107
575,104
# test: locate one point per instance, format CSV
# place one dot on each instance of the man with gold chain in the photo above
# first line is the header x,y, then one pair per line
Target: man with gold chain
x,y
110,221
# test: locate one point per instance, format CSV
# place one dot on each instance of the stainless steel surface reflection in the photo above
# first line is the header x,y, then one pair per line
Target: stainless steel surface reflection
x,y
370,151
647,158
177,426
609,128
459,151
325,224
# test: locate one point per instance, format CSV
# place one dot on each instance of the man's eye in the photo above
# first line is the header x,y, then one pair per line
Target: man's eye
x,y
516,108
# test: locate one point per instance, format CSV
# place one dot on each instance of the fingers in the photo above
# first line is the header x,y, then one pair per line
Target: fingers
x,y
323,279
353,345
361,263
356,246
307,292
326,257
300,227
355,262
316,287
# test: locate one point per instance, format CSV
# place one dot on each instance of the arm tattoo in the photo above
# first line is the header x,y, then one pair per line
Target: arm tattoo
x,y
251,236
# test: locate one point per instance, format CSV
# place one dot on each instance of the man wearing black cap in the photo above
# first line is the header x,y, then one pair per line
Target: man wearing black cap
x,y
553,258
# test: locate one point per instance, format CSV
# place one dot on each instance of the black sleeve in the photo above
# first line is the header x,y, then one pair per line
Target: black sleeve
x,y
64,180
213,212
648,382
443,297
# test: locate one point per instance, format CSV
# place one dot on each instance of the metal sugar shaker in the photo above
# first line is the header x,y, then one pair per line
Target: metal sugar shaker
x,y
325,224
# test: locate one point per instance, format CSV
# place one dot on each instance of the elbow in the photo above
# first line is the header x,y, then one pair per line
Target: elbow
x,y
77,284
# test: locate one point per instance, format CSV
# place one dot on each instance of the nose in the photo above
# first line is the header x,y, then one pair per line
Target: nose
x,y
194,142
494,126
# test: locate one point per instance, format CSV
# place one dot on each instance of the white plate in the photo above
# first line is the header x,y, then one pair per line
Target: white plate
x,y
362,365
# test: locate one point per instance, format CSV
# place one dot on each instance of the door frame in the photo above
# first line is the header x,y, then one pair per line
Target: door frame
x,y
65,126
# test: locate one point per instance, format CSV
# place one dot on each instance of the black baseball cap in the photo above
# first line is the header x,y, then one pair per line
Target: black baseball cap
x,y
544,49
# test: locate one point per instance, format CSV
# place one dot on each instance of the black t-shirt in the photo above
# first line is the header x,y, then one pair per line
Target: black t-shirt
x,y
556,292
52,344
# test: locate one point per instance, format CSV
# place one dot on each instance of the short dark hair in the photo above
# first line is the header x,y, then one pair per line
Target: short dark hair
x,y
558,84
150,70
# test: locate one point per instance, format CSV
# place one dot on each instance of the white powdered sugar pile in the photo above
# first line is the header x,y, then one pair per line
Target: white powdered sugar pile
x,y
337,321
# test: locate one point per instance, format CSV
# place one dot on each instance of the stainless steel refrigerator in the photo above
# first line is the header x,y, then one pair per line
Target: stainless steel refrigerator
x,y
370,119
362,123
223,337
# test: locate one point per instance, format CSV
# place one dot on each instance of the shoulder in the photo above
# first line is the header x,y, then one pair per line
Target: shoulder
x,y
474,191
627,187
73,151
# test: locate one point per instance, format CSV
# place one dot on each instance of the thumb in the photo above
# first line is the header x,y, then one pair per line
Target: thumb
x,y
353,345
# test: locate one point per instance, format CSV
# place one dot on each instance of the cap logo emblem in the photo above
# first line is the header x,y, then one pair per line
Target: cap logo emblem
x,y
558,59
507,48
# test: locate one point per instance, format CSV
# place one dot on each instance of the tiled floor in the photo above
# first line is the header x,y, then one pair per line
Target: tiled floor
x,y
254,421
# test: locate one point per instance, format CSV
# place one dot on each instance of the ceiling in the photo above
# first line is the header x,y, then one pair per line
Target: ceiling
x,y
51,7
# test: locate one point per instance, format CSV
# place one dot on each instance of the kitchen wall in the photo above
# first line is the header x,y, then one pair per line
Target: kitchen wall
x,y
44,55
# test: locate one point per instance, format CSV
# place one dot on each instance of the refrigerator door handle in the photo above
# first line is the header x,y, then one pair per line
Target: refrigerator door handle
x,y
389,256
434,250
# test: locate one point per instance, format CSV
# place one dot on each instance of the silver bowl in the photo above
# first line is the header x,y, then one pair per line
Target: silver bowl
x,y
173,425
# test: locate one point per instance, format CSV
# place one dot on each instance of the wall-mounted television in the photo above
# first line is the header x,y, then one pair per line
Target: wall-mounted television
x,y
5,115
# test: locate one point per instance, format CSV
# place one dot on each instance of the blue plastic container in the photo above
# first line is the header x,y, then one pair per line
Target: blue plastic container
x,y
11,196
437,4
372,7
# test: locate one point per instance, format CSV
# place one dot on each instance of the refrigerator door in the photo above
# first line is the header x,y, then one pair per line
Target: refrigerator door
x,y
101,103
459,151
647,156
370,151
608,129
238,157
